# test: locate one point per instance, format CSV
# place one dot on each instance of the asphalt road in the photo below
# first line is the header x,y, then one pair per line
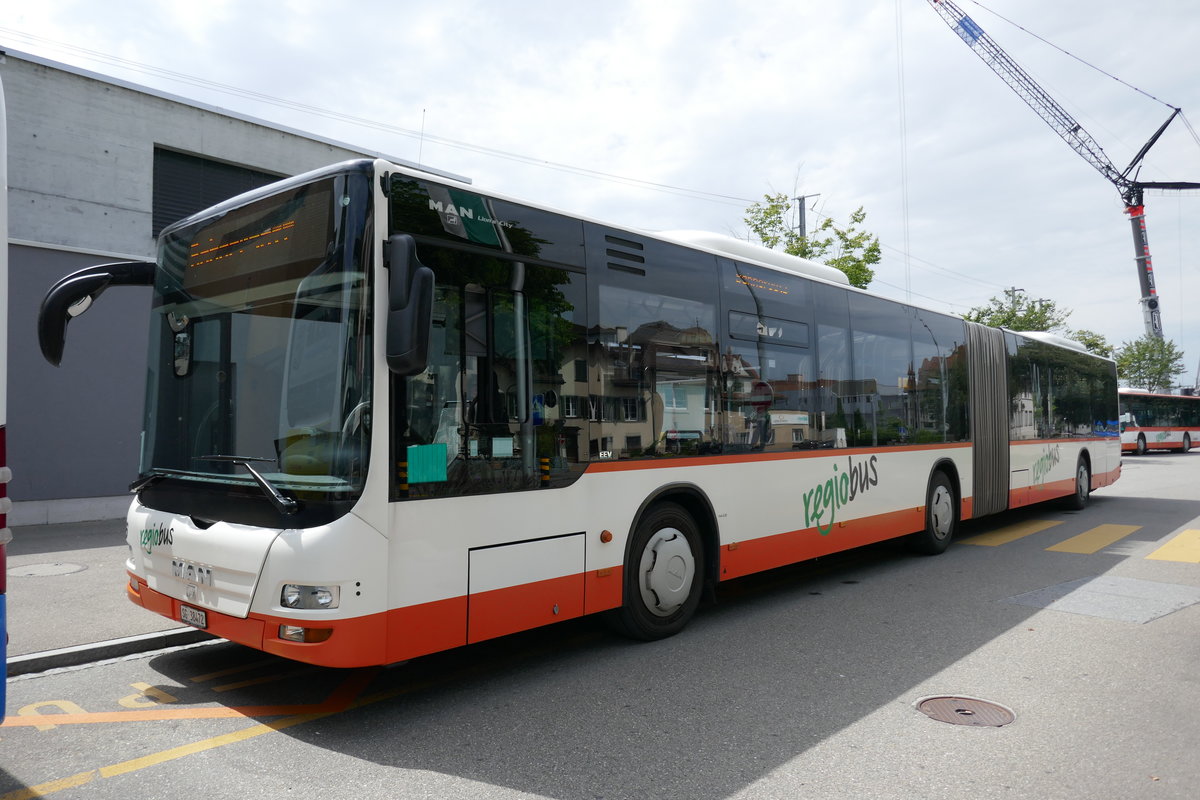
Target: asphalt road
x,y
799,683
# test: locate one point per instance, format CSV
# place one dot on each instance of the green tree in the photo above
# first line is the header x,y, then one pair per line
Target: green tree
x,y
1149,363
1094,342
849,249
1019,312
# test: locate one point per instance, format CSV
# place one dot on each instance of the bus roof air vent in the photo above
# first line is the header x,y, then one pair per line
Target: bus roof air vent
x,y
727,245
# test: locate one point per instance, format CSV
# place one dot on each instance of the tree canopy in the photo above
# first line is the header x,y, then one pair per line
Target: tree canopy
x,y
849,249
1150,363
1094,342
1017,311
1020,312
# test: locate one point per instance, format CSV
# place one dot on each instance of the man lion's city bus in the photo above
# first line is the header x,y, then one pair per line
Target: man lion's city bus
x,y
1153,421
389,414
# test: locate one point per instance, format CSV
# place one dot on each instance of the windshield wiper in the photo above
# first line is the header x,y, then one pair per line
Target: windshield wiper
x,y
285,504
149,480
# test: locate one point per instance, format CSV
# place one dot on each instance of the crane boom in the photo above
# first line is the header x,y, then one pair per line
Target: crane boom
x,y
1080,141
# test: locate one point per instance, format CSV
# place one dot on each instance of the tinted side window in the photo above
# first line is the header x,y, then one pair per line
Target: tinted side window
x,y
884,373
491,412
653,344
838,394
1059,393
940,391
768,360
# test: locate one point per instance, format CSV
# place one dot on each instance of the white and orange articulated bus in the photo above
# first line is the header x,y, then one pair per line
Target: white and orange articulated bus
x,y
388,414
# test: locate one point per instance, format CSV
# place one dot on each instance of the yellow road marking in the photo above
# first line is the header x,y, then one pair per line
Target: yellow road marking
x,y
43,789
135,764
32,713
1096,539
1011,533
345,696
1183,547
147,697
338,700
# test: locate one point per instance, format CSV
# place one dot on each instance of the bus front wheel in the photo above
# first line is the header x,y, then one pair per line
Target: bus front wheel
x,y
941,517
1141,445
663,574
1187,443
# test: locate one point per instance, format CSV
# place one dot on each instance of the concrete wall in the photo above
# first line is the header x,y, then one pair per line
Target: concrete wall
x,y
80,172
81,155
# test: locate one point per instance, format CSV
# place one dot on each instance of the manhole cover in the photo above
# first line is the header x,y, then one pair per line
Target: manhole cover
x,y
42,570
965,711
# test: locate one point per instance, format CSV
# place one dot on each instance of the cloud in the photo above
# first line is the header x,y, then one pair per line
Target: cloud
x,y
736,99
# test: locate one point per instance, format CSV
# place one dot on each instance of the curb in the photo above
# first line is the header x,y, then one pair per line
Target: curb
x,y
31,663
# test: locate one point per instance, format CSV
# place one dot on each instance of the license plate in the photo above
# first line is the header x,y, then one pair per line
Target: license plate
x,y
193,616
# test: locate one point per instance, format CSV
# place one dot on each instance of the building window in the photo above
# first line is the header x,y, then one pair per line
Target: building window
x,y
185,184
570,406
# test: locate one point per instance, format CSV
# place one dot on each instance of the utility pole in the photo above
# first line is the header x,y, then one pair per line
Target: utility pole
x,y
802,227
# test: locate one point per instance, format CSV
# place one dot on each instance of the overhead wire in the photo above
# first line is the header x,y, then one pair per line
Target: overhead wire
x,y
903,146
1092,66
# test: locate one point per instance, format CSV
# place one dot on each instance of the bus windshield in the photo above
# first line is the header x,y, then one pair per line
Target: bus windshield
x,y
260,352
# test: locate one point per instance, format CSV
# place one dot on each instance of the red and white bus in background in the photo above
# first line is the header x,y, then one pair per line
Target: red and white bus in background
x,y
1153,421
389,414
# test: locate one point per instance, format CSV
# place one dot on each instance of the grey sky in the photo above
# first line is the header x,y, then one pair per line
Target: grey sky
x,y
732,99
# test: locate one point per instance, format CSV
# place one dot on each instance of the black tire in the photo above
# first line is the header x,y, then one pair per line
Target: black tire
x,y
1077,500
941,517
1141,445
1187,443
664,574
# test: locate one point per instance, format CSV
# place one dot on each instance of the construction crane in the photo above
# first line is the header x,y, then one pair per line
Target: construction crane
x,y
1081,142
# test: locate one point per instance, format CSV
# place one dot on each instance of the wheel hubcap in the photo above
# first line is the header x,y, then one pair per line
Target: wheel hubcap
x,y
941,512
668,569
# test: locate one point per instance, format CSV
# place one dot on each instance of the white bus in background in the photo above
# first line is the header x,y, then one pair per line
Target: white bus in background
x,y
1158,421
389,414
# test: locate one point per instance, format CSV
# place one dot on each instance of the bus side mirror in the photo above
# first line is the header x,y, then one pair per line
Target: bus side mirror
x,y
74,294
410,307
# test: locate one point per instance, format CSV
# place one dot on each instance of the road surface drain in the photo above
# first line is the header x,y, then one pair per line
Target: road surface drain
x,y
42,570
965,711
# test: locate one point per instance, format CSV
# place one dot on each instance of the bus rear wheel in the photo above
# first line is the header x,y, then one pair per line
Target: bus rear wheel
x,y
1083,487
1187,443
663,574
941,517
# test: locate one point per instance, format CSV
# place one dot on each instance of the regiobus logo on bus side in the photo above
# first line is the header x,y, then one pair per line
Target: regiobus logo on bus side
x,y
837,491
1046,462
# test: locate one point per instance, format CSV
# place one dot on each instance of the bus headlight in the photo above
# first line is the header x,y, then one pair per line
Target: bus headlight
x,y
298,595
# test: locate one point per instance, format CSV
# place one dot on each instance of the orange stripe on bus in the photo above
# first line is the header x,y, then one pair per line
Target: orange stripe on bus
x,y
426,628
768,552
602,589
520,608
